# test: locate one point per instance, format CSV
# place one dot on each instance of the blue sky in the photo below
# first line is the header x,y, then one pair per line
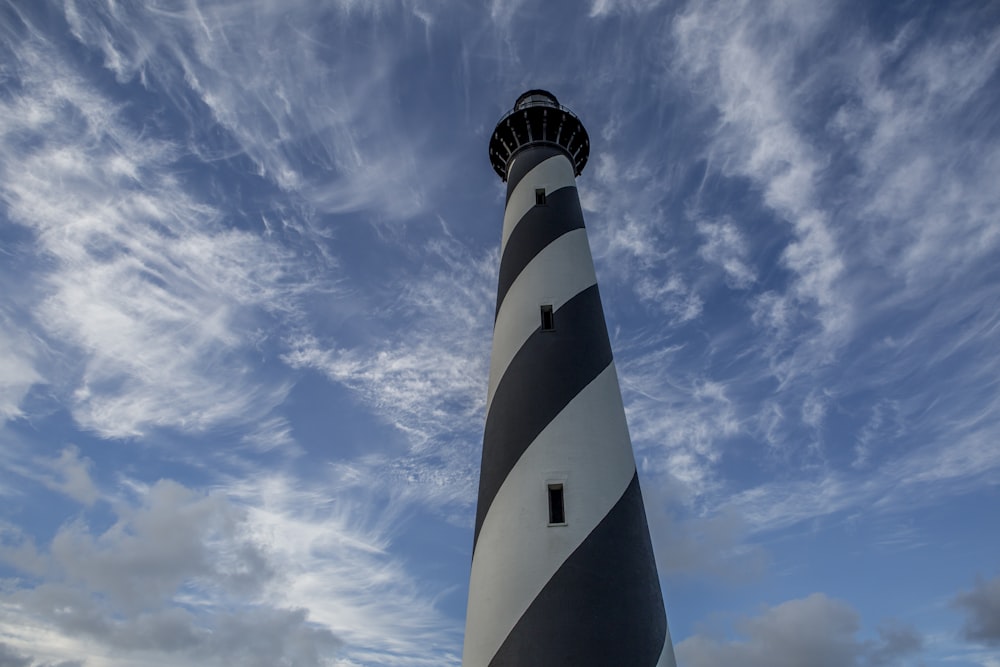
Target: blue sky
x,y
248,256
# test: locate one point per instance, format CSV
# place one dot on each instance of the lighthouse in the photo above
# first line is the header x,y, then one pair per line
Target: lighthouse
x,y
563,572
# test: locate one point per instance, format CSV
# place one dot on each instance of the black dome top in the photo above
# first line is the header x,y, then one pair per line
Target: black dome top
x,y
536,96
538,119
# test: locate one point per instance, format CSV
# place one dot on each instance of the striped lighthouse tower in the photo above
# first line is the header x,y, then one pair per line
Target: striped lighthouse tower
x,y
563,572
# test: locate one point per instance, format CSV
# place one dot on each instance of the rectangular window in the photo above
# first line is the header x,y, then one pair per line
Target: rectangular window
x,y
539,196
548,318
557,507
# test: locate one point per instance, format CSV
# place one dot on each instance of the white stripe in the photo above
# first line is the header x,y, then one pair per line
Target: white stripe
x,y
587,448
556,274
551,174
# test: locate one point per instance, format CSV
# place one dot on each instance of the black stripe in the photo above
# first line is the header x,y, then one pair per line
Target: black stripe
x,y
540,226
543,377
527,160
602,607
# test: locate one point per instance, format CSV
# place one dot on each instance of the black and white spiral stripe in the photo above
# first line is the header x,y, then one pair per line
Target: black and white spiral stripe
x,y
587,592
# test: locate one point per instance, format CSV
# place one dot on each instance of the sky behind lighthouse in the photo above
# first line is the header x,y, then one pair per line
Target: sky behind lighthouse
x,y
248,258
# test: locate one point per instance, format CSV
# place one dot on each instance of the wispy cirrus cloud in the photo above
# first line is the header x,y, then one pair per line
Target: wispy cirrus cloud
x,y
17,369
865,194
757,137
630,235
429,380
314,114
148,296
725,245
333,556
679,422
925,164
599,8
926,475
906,126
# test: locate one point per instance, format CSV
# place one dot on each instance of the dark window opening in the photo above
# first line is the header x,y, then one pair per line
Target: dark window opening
x,y
548,319
539,196
557,506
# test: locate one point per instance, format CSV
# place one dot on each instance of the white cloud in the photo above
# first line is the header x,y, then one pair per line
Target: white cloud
x,y
920,206
140,591
815,630
173,538
627,230
891,211
429,379
600,8
333,557
68,473
882,428
262,572
146,294
72,476
17,370
672,296
272,433
772,312
726,246
679,423
623,214
311,109
419,387
814,409
778,505
926,166
748,79
12,658
951,463
502,11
